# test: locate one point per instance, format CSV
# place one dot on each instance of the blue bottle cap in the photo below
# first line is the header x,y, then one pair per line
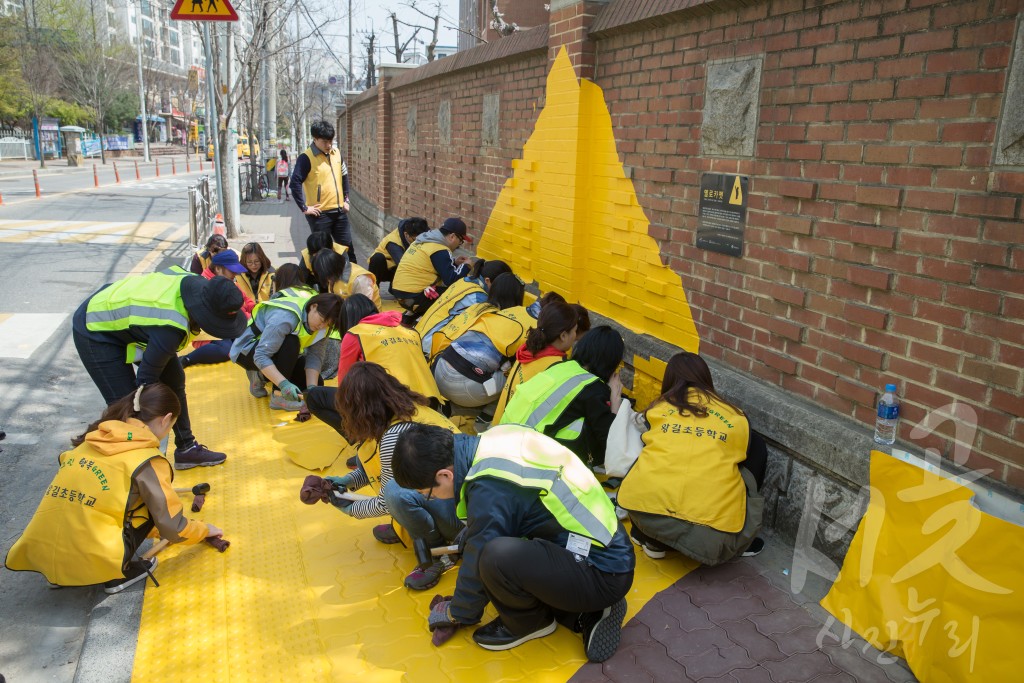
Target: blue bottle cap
x,y
890,388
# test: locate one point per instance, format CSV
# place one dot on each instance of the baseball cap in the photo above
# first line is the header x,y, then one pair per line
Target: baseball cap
x,y
228,259
455,226
214,304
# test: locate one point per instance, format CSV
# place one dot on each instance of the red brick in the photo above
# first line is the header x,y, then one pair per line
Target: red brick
x,y
923,244
1007,330
778,361
909,176
942,269
883,196
980,252
847,152
968,132
976,83
856,392
886,154
941,314
954,225
946,108
868,131
874,90
1005,449
863,315
861,354
934,201
917,329
915,373
853,71
885,47
995,57
1008,181
929,86
971,297
991,373
970,343
987,205
830,93
857,30
795,188
960,386
795,224
986,34
928,41
937,156
963,180
869,277
902,67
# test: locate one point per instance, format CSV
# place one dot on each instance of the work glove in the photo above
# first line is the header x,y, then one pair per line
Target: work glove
x,y
431,293
304,415
441,624
341,483
290,391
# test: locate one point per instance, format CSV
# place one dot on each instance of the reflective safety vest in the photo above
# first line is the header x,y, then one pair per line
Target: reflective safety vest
x,y
263,288
397,350
344,288
339,249
539,402
416,271
369,450
505,328
517,375
152,300
391,238
77,535
447,306
297,306
323,185
298,290
566,487
689,467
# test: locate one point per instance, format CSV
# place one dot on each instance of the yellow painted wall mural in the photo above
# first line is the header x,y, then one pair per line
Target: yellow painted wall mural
x,y
569,218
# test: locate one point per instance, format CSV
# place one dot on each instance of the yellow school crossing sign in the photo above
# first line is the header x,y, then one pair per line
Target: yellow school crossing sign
x,y
203,10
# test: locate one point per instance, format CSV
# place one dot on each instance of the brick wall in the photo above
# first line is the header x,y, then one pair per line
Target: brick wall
x,y
882,244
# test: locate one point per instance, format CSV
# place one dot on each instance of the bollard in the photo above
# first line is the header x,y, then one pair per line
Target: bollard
x,y
117,176
35,179
95,176
188,166
174,167
1,200
137,176
156,165
200,165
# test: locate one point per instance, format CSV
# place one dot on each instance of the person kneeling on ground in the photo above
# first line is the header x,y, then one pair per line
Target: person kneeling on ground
x,y
336,274
110,492
315,243
430,266
542,542
470,290
385,258
210,352
695,487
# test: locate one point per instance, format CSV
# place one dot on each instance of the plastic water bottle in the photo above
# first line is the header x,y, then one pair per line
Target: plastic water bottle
x,y
888,416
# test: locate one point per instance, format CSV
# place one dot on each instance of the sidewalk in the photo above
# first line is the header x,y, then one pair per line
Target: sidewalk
x,y
24,167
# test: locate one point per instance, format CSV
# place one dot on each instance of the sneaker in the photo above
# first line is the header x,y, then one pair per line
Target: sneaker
x,y
482,423
494,635
353,464
386,534
197,455
651,548
601,631
420,579
409,319
137,571
279,402
257,383
755,548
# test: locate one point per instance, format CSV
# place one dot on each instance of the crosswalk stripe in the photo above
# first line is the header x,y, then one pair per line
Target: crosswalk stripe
x,y
79,232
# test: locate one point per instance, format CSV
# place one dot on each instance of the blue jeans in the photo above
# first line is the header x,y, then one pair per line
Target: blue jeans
x,y
209,354
433,520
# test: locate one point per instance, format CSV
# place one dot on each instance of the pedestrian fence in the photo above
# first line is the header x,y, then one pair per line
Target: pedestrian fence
x,y
200,217
15,144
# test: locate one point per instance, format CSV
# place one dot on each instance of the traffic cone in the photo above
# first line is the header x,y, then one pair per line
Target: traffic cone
x,y
218,225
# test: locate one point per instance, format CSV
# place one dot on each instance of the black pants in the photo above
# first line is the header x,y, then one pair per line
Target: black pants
x,y
417,303
286,360
105,363
532,581
757,458
336,223
378,265
320,401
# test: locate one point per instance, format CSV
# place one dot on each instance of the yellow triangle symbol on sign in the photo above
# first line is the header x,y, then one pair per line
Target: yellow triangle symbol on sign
x,y
737,192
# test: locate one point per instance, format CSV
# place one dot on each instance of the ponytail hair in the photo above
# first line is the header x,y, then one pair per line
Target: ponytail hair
x,y
555,318
329,306
507,291
488,270
148,402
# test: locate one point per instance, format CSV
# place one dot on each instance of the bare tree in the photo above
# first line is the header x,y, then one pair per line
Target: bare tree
x,y
499,24
433,18
400,47
94,75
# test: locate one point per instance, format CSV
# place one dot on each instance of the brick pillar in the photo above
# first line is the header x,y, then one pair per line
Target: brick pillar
x,y
569,26
384,141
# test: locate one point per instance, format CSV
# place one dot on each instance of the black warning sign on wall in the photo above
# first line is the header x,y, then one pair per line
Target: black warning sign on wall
x,y
723,213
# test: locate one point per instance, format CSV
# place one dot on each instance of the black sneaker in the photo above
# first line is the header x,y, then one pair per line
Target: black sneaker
x,y
137,571
651,548
755,548
196,455
352,463
601,631
494,636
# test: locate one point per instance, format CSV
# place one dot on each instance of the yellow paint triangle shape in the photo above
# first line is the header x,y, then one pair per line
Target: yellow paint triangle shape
x,y
569,218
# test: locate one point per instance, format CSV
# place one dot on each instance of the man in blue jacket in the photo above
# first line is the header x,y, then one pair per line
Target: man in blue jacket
x,y
542,542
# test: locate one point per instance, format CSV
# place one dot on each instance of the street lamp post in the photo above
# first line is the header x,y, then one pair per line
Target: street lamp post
x,y
142,89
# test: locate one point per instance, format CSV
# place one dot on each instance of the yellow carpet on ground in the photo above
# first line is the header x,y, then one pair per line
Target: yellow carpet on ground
x,y
305,592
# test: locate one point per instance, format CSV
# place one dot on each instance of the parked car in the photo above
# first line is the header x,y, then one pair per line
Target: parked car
x,y
241,146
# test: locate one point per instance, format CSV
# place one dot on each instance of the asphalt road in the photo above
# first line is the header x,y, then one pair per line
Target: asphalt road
x,y
55,252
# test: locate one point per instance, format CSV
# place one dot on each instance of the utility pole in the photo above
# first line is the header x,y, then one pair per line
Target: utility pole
x,y
233,203
142,88
211,115
349,78
300,137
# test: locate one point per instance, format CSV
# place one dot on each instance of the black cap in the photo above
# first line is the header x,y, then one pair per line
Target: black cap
x,y
455,226
215,305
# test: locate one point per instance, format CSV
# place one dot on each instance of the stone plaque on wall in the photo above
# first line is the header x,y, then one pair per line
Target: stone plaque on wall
x,y
444,122
410,128
732,93
1010,140
491,119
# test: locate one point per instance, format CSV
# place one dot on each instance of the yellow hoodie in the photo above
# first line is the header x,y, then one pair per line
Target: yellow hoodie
x,y
107,495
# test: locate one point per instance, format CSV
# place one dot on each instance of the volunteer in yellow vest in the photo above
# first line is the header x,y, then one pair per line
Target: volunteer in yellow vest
x,y
542,541
315,243
430,266
471,353
285,343
376,409
464,293
695,487
201,260
575,401
147,319
319,186
558,325
335,273
109,493
257,282
385,258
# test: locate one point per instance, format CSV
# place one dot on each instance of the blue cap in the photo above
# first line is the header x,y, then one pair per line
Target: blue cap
x,y
890,387
228,259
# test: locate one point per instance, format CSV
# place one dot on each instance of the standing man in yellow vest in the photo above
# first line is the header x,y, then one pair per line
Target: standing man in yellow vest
x,y
319,185
542,544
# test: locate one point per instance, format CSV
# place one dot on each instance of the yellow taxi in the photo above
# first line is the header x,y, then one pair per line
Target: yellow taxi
x,y
242,147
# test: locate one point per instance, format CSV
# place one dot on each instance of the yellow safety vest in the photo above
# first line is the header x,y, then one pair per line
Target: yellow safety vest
x,y
567,487
392,238
397,350
446,307
339,249
297,306
263,288
505,328
540,402
344,289
143,300
416,271
689,467
323,185
76,537
517,375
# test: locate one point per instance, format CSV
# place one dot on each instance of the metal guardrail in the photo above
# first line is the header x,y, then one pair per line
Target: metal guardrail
x,y
200,217
12,147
